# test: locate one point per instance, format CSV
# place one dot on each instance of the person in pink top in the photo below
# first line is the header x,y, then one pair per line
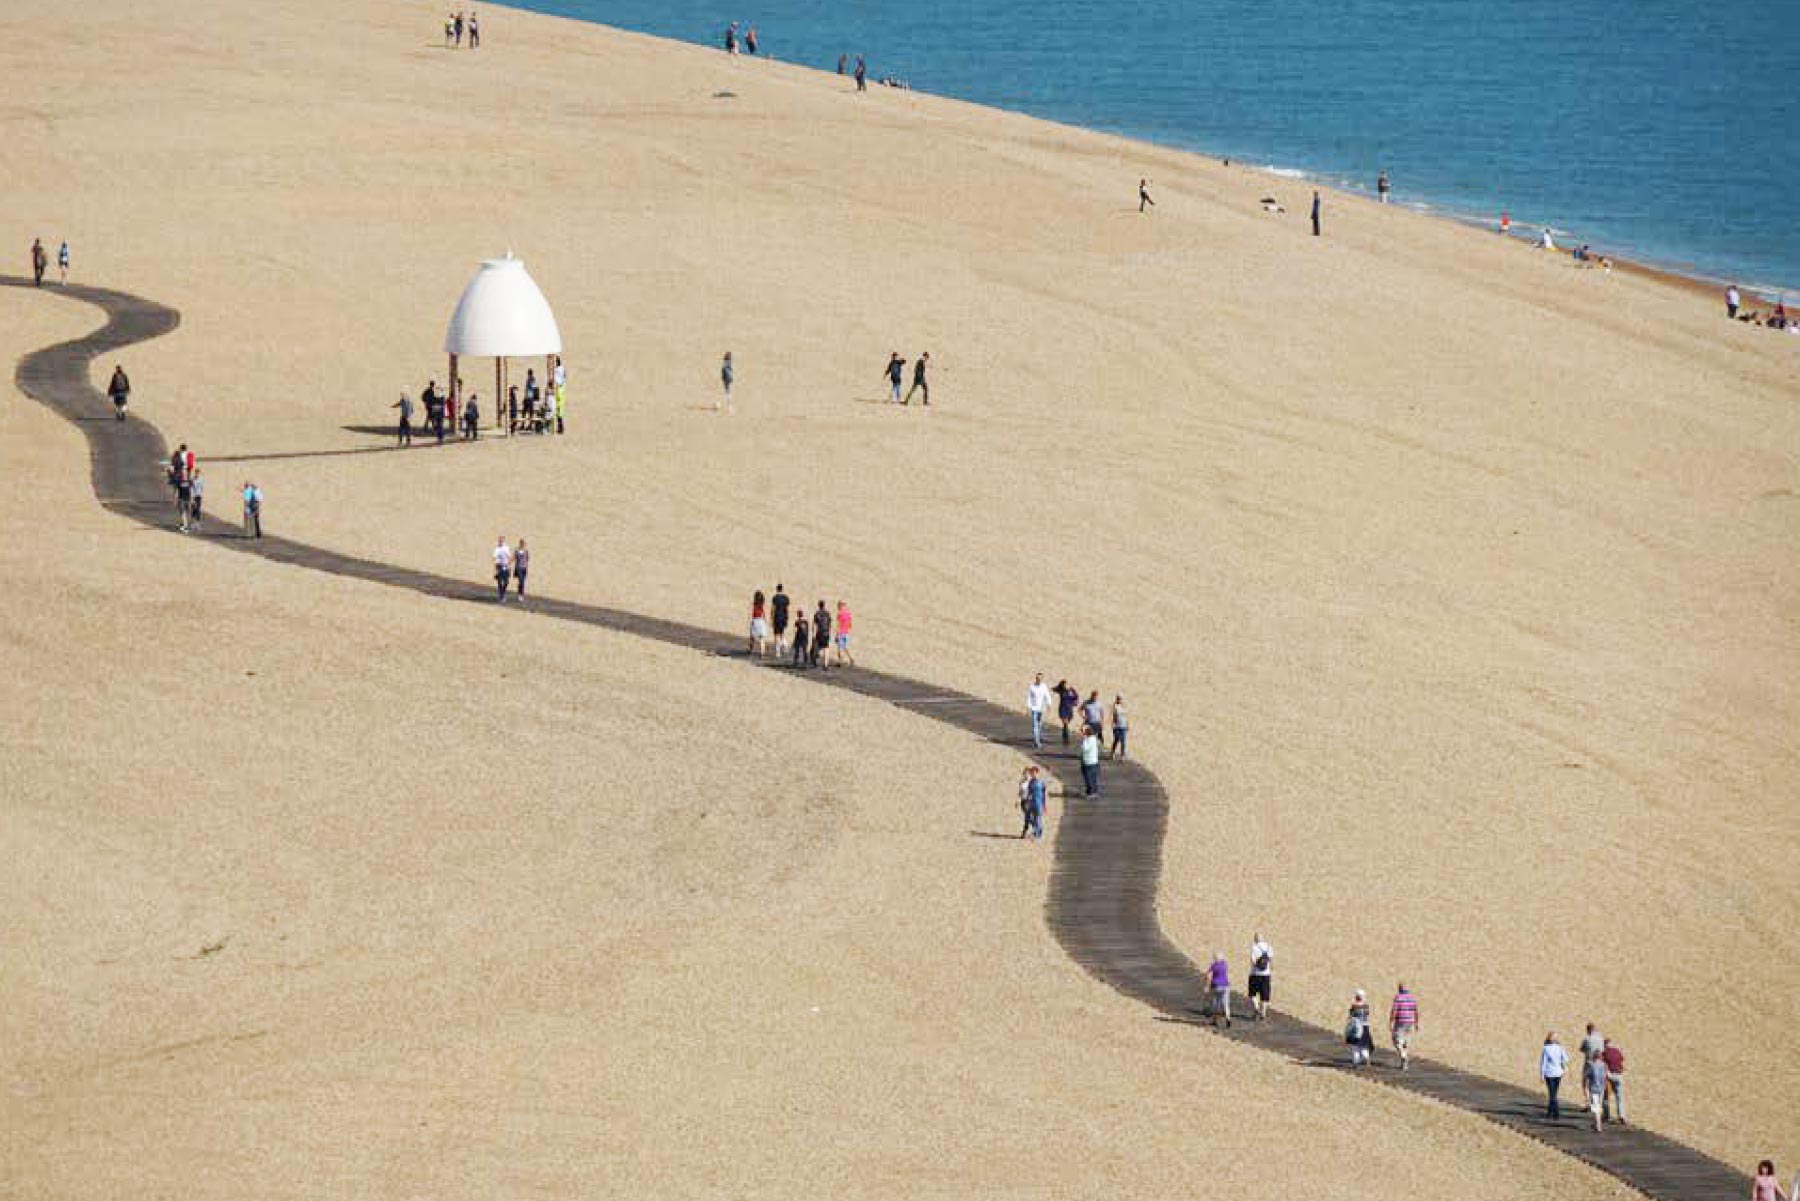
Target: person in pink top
x,y
842,641
1765,1187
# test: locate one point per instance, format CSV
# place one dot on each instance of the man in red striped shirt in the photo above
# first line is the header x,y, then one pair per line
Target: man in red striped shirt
x,y
1403,1022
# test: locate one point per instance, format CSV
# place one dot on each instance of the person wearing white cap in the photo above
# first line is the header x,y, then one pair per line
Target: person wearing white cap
x,y
1357,1035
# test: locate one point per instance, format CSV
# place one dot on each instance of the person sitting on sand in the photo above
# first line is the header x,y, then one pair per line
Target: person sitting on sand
x,y
1544,242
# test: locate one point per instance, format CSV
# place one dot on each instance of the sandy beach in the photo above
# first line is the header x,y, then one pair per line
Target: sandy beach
x,y
1453,589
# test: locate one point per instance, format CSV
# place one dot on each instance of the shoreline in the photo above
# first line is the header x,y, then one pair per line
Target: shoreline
x,y
1693,279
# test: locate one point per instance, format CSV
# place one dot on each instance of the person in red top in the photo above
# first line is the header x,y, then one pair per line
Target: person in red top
x,y
759,626
843,634
1403,1023
1614,1059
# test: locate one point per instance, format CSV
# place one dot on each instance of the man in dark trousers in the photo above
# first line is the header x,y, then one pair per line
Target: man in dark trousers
x,y
919,384
40,259
1144,200
1315,212
862,74
778,612
821,635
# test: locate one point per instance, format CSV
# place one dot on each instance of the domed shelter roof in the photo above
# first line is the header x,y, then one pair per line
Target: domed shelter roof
x,y
502,314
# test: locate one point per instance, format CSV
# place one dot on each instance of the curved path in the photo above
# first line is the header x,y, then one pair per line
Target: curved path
x,y
1102,902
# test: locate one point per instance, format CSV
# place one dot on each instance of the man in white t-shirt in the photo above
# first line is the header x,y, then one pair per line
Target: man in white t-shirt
x,y
503,560
1262,958
1037,700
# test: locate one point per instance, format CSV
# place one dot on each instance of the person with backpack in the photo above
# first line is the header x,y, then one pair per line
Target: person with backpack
x,y
119,390
253,502
1357,1035
821,642
778,617
802,652
1262,958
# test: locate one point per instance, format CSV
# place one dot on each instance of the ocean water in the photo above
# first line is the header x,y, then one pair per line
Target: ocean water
x,y
1662,130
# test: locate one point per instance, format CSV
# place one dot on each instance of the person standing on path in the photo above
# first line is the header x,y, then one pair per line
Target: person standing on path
x,y
196,496
472,419
862,74
253,502
1381,187
1357,1035
1262,975
802,629
1732,301
405,405
39,261
1218,990
1038,795
821,643
919,384
1093,713
1090,762
1403,1023
1066,700
62,261
1592,1044
1553,1064
896,374
1315,212
503,561
457,26
778,613
1593,1082
474,32
181,478
1144,201
1614,1107
1037,701
844,657
1121,726
759,625
119,390
521,565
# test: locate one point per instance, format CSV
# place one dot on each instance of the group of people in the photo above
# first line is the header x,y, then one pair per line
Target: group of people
x,y
188,485
821,640
40,262
1091,713
511,566
456,25
1602,1076
896,378
746,40
538,411
1777,318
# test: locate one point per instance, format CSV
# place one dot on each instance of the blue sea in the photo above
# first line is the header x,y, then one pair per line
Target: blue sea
x,y
1667,131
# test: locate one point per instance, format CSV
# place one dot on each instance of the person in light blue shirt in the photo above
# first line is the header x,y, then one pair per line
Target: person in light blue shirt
x,y
1553,1065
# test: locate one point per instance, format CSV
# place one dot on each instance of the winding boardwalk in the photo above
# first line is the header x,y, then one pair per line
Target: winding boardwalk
x,y
1102,902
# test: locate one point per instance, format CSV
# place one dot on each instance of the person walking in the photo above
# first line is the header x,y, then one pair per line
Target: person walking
x,y
778,616
196,497
821,642
1553,1064
726,375
503,561
1732,301
62,262
1093,713
119,390
1037,701
561,400
1066,700
39,261
1121,726
1315,212
919,384
472,419
405,405
844,657
1592,1044
1357,1035
521,565
802,631
474,32
1765,1187
759,625
1025,802
843,61
457,25
1218,990
862,74
1144,201
896,374
1593,1082
1090,762
181,479
1381,186
1613,1058
1262,975
253,504
1037,796
750,41
1403,1023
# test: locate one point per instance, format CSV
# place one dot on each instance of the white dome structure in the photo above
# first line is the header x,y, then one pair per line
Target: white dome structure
x,y
502,314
